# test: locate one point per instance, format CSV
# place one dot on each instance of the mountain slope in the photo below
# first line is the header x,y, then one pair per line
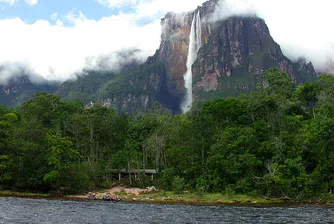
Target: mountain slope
x,y
20,89
234,50
234,54
84,87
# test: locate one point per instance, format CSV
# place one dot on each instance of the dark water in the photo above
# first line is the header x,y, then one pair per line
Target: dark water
x,y
17,210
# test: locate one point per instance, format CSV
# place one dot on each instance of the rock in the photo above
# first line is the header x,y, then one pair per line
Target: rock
x,y
17,90
285,199
233,49
237,46
150,189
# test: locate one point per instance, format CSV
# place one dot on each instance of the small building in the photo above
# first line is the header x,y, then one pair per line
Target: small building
x,y
134,172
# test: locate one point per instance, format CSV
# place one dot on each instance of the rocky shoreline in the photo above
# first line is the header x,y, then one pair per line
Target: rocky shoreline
x,y
136,195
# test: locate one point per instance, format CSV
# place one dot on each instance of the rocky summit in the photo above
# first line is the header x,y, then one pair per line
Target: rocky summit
x,y
235,52
233,55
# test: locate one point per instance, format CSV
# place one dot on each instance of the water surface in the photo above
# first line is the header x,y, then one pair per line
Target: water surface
x,y
19,210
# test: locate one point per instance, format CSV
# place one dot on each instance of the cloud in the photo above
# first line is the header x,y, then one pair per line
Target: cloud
x,y
115,61
117,3
54,16
161,7
11,70
301,27
153,8
57,52
11,2
31,2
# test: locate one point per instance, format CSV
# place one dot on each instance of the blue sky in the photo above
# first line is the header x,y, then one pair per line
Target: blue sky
x,y
59,38
45,8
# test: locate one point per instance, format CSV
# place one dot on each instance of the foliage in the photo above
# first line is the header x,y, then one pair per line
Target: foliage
x,y
178,184
275,142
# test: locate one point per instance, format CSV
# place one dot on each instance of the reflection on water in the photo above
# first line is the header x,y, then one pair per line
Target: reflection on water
x,y
17,210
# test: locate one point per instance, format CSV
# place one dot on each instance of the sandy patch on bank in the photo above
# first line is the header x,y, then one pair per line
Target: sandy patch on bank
x,y
136,191
115,190
118,189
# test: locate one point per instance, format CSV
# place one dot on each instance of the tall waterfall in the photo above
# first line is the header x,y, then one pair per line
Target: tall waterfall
x,y
195,43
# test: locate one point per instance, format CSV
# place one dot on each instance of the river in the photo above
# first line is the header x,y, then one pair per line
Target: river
x,y
19,210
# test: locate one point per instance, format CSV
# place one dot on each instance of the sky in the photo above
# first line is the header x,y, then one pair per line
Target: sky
x,y
58,38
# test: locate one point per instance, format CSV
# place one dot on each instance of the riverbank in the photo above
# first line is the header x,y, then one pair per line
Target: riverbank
x,y
163,197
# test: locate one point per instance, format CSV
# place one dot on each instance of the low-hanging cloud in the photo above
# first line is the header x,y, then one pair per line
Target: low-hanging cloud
x,y
11,70
115,61
57,52
303,28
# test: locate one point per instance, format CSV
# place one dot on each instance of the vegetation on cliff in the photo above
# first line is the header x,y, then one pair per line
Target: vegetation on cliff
x,y
275,142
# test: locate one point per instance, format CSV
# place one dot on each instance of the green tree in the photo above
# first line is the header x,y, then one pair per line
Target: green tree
x,y
278,82
308,95
62,158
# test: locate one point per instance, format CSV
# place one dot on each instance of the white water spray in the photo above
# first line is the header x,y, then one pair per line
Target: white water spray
x,y
195,43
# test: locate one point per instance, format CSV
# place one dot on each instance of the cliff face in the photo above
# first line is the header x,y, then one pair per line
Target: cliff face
x,y
135,89
234,54
20,89
173,50
232,49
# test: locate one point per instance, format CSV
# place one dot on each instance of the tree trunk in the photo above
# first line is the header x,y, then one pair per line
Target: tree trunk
x,y
158,152
91,149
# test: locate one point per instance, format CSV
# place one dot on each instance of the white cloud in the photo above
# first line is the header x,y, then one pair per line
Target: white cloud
x,y
31,2
117,3
300,27
153,8
60,22
11,2
57,52
54,16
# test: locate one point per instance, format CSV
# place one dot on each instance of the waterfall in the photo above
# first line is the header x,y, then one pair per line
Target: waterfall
x,y
195,43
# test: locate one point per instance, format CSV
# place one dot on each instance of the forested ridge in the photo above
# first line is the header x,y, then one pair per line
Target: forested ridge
x,y
277,141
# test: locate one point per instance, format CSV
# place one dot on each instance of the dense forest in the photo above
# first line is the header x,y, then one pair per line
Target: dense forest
x,y
277,141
